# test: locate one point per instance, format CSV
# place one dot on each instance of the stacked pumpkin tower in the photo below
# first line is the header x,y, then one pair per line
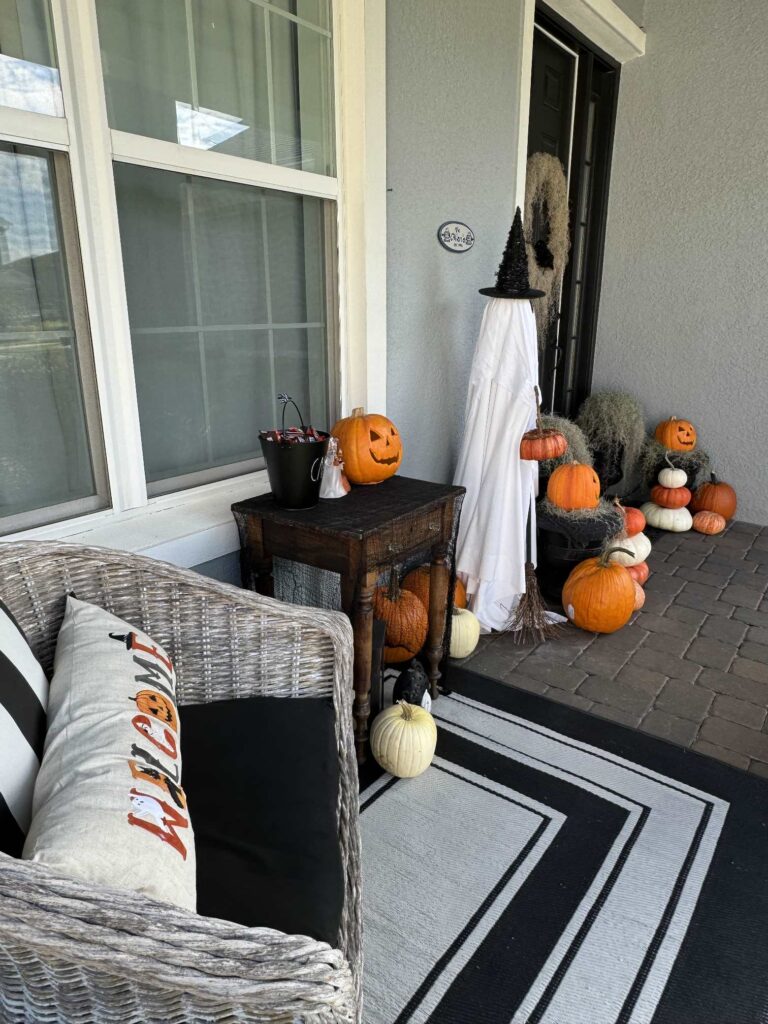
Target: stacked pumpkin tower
x,y
667,509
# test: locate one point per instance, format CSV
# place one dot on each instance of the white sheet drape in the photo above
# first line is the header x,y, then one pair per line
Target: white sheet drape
x,y
501,488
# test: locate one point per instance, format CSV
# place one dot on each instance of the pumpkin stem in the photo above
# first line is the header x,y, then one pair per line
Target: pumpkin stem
x,y
537,393
358,411
406,710
605,558
668,461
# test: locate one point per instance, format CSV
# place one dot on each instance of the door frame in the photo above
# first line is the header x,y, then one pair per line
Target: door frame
x,y
612,37
601,24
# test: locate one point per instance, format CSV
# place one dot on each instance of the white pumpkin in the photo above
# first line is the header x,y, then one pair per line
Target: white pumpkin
x,y
677,520
636,549
403,740
465,633
672,477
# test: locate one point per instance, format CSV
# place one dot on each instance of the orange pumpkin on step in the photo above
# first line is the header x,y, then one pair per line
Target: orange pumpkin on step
x,y
405,618
676,435
574,485
370,446
709,522
599,595
670,497
417,581
639,572
715,496
634,520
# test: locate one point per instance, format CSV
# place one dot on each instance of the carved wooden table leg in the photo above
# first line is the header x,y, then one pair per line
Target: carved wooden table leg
x,y
362,625
439,580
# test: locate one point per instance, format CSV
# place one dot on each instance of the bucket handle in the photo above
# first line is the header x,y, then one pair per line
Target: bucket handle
x,y
287,400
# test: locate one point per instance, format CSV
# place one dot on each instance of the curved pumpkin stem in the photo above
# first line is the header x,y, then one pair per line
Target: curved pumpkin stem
x,y
537,393
605,558
668,461
406,710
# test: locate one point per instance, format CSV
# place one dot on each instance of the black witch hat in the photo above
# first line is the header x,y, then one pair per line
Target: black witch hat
x,y
512,277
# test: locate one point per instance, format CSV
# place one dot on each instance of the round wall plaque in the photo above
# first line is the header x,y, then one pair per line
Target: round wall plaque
x,y
456,236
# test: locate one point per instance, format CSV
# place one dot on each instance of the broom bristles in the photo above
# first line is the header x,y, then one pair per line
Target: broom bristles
x,y
530,622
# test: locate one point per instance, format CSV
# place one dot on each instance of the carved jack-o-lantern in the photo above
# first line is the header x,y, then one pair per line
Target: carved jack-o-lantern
x,y
370,447
676,435
158,706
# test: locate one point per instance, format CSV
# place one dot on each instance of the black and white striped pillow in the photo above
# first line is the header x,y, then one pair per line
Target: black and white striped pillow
x,y
23,699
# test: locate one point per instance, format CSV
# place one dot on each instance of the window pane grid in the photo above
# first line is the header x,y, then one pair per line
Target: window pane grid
x,y
246,78
242,317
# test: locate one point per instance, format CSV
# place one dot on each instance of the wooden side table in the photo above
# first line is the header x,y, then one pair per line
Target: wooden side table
x,y
359,536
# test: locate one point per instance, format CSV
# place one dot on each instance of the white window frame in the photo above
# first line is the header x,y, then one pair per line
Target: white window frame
x,y
195,525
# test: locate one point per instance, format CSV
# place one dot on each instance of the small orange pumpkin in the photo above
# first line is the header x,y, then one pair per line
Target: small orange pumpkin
x,y
542,443
634,520
405,618
417,581
158,706
709,522
639,572
670,497
715,496
639,596
676,435
599,595
370,446
574,485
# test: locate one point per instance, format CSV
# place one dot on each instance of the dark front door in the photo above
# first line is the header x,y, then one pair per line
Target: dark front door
x,y
574,89
550,127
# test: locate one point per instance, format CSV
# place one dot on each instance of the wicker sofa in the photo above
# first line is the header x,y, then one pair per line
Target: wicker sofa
x,y
72,954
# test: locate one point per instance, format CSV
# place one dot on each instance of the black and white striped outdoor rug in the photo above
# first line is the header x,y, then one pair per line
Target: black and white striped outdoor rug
x,y
554,868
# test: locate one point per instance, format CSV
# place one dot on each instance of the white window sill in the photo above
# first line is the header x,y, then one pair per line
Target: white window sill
x,y
187,528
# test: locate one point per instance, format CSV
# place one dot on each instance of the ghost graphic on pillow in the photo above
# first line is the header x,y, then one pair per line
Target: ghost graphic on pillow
x,y
148,807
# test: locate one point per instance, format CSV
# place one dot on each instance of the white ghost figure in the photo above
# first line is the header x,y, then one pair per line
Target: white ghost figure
x,y
148,807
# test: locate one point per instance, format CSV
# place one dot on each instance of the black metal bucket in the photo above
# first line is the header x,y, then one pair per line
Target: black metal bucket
x,y
295,471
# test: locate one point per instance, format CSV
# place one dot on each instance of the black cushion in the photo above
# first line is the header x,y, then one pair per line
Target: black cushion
x,y
262,780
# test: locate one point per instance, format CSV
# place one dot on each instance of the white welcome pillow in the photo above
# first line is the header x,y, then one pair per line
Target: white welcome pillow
x,y
108,805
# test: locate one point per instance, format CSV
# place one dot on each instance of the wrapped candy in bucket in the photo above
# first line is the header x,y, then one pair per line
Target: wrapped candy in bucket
x,y
295,458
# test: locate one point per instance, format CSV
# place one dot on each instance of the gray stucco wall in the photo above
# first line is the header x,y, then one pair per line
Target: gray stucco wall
x,y
684,304
452,70
226,568
635,9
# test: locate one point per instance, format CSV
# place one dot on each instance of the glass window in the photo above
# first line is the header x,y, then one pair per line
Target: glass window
x,y
51,462
234,76
227,303
29,74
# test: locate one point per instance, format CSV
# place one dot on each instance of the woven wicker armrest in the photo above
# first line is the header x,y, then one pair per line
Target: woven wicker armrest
x,y
69,952
76,948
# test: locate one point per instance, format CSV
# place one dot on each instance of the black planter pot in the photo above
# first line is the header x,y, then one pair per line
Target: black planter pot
x,y
557,556
295,471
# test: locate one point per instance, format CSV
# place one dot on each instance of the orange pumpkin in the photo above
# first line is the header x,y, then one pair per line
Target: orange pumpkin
x,y
639,572
709,522
634,520
599,595
405,618
676,435
158,706
417,581
542,443
574,485
670,497
715,496
370,446
639,596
